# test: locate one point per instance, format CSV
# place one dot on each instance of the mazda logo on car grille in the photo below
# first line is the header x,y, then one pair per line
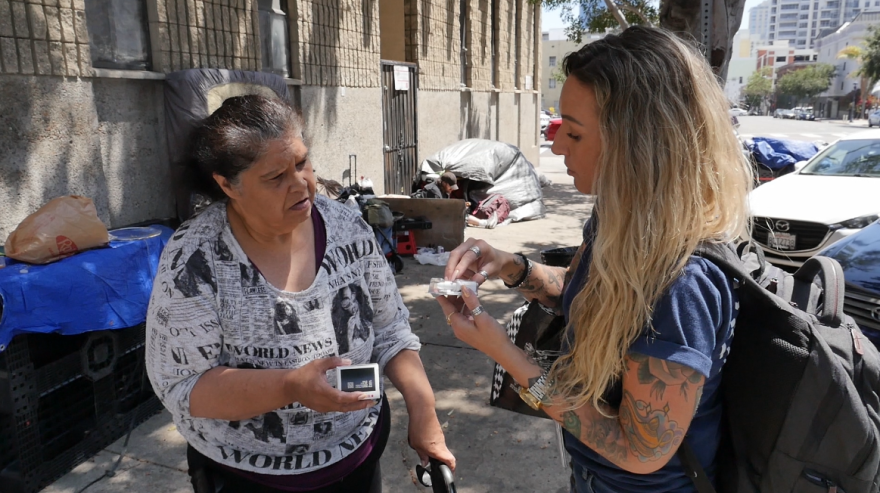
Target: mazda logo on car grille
x,y
782,226
875,314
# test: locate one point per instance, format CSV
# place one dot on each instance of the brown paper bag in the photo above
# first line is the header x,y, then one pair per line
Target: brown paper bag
x,y
61,228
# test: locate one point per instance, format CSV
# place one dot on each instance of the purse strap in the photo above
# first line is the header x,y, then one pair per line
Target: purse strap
x,y
693,469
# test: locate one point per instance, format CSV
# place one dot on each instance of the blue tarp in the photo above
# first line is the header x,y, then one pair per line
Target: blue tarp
x,y
106,288
778,153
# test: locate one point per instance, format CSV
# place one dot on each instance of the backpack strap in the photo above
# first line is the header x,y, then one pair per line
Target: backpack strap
x,y
831,274
693,469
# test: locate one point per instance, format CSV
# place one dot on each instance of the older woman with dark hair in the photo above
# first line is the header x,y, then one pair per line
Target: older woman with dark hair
x,y
241,325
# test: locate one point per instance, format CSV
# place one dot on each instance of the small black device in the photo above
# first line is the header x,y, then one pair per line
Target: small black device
x,y
437,475
359,378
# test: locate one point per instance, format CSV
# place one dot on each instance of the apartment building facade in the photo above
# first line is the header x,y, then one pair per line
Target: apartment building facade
x,y
800,22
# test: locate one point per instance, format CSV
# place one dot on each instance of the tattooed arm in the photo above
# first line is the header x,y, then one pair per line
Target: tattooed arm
x,y
659,401
545,283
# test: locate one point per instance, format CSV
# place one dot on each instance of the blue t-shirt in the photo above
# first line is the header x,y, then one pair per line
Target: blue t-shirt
x,y
693,325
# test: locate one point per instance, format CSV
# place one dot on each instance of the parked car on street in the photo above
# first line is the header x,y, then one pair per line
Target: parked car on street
x,y
737,112
859,255
832,196
874,119
552,128
805,114
545,120
779,112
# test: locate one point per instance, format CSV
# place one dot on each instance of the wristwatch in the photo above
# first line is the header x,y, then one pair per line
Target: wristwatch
x,y
534,396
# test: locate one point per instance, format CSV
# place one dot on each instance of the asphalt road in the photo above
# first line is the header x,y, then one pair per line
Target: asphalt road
x,y
827,131
766,126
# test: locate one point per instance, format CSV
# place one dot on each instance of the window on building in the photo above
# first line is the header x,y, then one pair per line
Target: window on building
x,y
118,34
815,58
552,61
844,66
877,3
841,86
545,36
792,6
780,59
552,84
275,36
740,80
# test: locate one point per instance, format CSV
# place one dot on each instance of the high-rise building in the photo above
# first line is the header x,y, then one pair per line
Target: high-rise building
x,y
800,22
759,22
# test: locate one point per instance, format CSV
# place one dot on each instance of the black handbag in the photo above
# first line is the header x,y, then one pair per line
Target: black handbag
x,y
538,331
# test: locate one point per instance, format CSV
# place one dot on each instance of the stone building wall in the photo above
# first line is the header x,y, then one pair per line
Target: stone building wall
x,y
506,60
44,39
339,42
479,53
203,34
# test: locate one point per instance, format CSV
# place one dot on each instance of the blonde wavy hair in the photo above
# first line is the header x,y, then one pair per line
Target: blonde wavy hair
x,y
671,174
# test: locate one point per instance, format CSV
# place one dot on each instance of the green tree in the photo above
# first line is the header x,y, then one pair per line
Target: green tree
x,y
683,17
758,87
856,53
558,75
806,83
602,15
871,56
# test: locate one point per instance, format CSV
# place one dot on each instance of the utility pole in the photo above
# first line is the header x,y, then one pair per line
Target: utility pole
x,y
852,109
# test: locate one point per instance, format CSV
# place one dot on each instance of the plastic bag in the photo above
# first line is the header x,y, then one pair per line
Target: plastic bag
x,y
432,258
61,228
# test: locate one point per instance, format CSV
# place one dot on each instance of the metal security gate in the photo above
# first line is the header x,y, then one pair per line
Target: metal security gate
x,y
400,136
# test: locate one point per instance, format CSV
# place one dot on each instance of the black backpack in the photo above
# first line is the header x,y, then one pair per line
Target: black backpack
x,y
799,388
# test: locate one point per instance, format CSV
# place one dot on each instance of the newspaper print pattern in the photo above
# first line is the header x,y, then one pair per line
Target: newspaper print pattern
x,y
211,307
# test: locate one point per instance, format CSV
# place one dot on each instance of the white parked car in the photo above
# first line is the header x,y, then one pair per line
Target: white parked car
x,y
545,120
737,112
874,119
832,196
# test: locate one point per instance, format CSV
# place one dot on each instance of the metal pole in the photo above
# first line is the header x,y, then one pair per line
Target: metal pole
x,y
706,28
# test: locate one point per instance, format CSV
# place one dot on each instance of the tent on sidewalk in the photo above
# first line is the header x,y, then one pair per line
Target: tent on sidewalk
x,y
494,167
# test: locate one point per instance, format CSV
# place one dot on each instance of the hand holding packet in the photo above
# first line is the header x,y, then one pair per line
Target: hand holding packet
x,y
442,287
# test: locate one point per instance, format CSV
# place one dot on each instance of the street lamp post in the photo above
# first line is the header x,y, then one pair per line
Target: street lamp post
x,y
852,109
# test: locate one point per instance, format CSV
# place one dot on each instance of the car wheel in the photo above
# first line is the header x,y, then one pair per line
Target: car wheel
x,y
870,124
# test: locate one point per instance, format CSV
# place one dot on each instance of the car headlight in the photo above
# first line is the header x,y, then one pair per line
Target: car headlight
x,y
857,223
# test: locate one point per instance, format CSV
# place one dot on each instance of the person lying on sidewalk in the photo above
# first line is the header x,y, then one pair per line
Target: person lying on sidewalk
x,y
256,299
645,129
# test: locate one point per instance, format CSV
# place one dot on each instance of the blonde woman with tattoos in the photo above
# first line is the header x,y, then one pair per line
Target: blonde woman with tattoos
x,y
645,129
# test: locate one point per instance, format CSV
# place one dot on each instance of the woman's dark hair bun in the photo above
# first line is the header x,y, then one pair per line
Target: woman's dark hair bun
x,y
230,140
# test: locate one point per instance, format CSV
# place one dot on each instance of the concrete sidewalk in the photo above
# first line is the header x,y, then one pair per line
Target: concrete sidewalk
x,y
497,451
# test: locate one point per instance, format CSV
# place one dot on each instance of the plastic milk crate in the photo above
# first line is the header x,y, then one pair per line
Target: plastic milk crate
x,y
65,398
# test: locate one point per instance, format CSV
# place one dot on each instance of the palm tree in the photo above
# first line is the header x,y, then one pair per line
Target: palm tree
x,y
857,53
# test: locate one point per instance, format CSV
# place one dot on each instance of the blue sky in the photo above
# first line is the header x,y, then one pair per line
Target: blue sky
x,y
550,18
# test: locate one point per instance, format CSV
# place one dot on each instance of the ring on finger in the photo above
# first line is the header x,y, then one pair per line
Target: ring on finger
x,y
476,250
478,310
484,274
449,318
